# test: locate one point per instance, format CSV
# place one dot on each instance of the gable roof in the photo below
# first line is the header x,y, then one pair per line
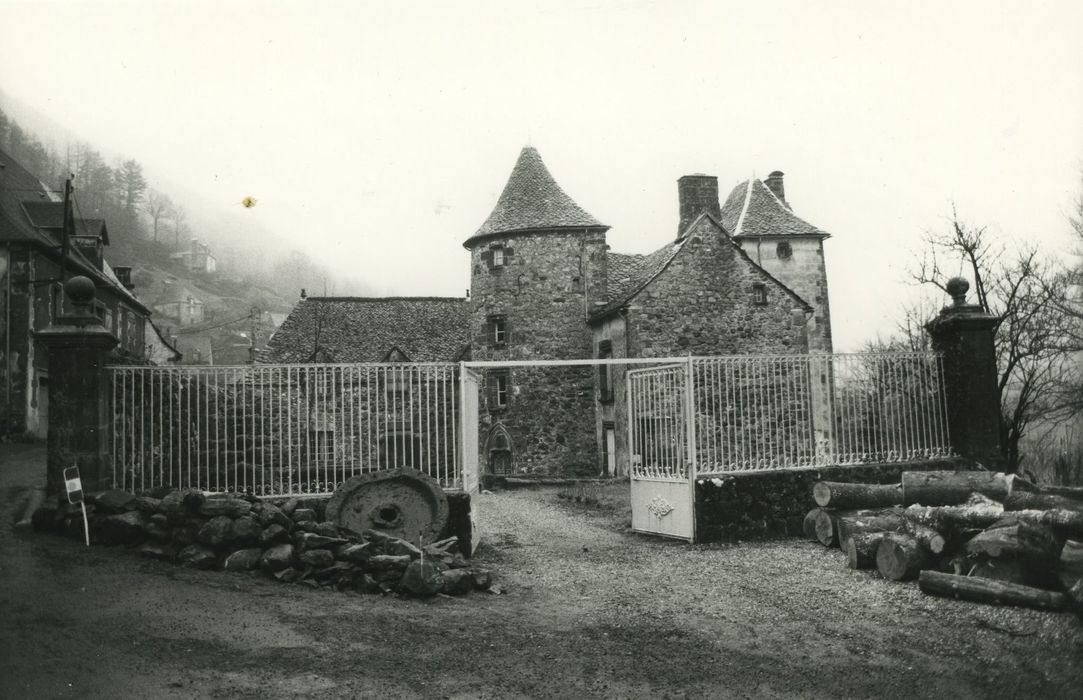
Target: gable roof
x,y
752,209
628,274
360,329
531,201
19,190
50,215
637,271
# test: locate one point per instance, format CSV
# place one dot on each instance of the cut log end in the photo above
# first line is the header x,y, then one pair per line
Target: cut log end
x,y
861,550
901,558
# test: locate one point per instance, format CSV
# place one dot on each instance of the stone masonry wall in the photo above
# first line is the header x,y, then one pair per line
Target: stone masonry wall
x,y
703,304
542,294
804,271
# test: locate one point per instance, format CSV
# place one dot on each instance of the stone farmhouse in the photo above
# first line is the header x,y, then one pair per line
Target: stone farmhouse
x,y
743,276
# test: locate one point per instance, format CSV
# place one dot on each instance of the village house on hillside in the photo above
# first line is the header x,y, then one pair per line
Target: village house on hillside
x,y
33,264
743,277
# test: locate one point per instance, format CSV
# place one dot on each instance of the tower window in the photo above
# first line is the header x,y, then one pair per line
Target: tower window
x,y
759,294
784,250
497,330
498,390
498,257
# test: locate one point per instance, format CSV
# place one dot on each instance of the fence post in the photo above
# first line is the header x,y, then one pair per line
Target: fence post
x,y
78,402
964,334
822,406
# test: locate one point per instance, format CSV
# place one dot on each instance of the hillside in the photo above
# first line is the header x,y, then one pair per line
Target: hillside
x,y
239,267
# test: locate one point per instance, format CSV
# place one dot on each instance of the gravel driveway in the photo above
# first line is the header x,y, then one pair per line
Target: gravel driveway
x,y
591,611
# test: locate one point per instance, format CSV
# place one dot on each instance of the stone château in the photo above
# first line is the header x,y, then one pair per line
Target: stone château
x,y
746,276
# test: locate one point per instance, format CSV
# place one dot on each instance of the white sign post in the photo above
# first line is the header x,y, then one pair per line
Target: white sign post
x,y
74,486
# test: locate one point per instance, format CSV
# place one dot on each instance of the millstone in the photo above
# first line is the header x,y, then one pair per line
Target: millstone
x,y
403,503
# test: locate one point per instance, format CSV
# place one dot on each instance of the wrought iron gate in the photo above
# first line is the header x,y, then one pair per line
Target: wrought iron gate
x,y
662,450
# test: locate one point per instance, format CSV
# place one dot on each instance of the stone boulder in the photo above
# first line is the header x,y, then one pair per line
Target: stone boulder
x,y
123,528
225,504
458,581
278,557
217,532
271,514
272,534
243,559
421,578
317,557
198,556
246,532
112,501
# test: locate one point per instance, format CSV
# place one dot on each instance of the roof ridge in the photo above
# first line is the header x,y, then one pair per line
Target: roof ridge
x,y
377,299
744,208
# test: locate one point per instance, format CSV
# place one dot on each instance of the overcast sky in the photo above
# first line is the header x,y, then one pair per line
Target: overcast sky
x,y
377,136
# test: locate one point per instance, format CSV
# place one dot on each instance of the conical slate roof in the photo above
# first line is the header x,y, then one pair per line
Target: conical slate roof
x,y
532,200
752,209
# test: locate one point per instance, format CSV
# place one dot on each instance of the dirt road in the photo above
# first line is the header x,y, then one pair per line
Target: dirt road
x,y
591,611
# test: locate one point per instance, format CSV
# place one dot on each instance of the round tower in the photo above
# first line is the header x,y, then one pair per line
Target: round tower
x,y
537,265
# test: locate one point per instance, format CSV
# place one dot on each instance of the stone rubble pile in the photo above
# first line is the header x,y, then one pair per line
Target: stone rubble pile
x,y
284,540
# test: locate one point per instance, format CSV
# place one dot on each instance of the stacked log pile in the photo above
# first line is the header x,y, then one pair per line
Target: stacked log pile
x,y
284,540
979,536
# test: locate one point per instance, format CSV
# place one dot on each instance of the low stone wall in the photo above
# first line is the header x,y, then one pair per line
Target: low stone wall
x,y
774,503
285,539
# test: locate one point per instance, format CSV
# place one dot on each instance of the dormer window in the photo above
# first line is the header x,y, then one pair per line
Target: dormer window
x,y
759,294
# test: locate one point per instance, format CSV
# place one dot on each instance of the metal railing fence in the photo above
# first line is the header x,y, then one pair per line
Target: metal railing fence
x,y
282,429
788,411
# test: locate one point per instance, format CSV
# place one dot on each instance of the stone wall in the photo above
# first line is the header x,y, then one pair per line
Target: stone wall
x,y
804,271
285,539
541,294
703,304
774,502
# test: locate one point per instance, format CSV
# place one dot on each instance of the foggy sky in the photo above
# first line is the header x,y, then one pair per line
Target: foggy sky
x,y
378,136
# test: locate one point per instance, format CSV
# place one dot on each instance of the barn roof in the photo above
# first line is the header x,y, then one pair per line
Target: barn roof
x,y
367,329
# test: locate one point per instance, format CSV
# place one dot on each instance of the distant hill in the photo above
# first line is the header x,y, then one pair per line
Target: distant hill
x,y
150,230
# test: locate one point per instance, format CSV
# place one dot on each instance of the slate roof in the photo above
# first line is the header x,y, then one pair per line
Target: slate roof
x,y
20,190
50,215
359,329
627,274
532,200
752,209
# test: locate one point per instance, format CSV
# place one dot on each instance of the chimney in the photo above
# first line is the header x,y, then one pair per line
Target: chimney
x,y
697,194
124,274
774,183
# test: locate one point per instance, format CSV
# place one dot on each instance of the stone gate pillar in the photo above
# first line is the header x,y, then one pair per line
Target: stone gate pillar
x,y
964,334
78,402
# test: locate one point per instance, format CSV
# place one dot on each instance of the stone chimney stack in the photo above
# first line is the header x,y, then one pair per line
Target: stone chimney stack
x,y
774,183
697,194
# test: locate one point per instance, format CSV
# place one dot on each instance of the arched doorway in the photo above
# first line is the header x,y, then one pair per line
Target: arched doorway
x,y
499,451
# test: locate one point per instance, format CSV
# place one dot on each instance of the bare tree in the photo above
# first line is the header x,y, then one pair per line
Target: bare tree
x,y
1032,335
180,224
159,206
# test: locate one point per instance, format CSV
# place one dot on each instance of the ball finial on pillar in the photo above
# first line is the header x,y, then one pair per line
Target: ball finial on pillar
x,y
80,290
957,287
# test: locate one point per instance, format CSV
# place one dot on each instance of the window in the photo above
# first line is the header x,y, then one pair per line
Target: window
x,y
496,327
605,376
498,257
784,250
759,294
499,390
